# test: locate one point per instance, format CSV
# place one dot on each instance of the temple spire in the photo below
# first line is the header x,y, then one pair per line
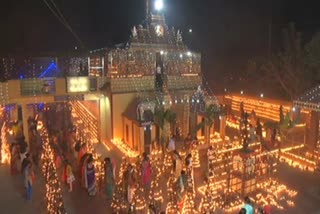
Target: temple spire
x,y
148,8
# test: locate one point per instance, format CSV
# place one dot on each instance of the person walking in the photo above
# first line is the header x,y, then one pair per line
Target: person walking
x,y
28,180
109,177
68,176
146,172
90,178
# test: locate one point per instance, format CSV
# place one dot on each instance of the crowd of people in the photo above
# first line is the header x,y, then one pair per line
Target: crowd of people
x,y
77,164
24,157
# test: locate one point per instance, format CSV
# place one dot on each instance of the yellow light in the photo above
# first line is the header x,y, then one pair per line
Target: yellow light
x,y
124,148
5,150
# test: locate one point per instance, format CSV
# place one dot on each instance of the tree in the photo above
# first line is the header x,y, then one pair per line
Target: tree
x,y
161,117
287,68
312,59
210,114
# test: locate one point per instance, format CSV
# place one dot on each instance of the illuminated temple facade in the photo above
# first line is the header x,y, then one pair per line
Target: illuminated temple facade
x,y
153,68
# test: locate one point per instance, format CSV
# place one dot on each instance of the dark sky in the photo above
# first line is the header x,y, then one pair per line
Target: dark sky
x,y
227,32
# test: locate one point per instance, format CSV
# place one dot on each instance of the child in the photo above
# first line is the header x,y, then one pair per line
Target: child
x,y
68,175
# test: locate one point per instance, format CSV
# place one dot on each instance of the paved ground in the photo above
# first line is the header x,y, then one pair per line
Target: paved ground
x,y
12,194
78,202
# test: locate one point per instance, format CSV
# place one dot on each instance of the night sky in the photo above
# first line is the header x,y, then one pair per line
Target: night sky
x,y
227,32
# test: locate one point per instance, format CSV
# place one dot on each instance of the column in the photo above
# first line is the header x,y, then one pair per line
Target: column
x,y
25,115
105,119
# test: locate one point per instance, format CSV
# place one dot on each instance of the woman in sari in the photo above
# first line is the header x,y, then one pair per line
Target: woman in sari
x,y
109,177
146,171
90,179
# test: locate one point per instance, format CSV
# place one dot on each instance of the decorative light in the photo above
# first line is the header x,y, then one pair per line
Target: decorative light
x,y
158,5
293,109
241,92
5,149
190,30
161,52
261,95
189,53
124,148
53,187
181,56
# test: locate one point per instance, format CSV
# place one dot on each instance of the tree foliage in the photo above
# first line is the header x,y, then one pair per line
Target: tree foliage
x,y
294,69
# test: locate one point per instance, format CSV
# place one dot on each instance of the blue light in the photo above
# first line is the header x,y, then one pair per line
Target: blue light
x,y
51,70
21,76
40,106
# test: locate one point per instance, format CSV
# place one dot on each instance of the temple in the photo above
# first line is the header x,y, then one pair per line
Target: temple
x,y
153,68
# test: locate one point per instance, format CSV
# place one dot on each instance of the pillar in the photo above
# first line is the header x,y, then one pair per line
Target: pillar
x,y
25,115
102,120
105,119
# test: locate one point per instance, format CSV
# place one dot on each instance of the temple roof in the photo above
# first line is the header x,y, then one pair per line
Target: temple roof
x,y
310,100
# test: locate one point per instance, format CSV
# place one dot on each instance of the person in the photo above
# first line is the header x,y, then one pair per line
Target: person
x,y
109,177
26,160
259,130
182,184
252,133
82,151
77,147
260,211
248,206
15,159
267,207
243,211
130,182
177,164
172,144
90,178
146,171
187,142
188,161
82,166
68,174
28,180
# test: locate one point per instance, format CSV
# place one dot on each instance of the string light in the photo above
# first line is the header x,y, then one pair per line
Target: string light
x,y
54,198
5,149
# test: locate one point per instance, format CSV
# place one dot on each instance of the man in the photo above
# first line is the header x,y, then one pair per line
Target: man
x,y
25,161
248,206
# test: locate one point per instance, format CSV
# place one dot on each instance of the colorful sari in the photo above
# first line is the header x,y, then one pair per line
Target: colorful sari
x,y
146,173
90,180
109,180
